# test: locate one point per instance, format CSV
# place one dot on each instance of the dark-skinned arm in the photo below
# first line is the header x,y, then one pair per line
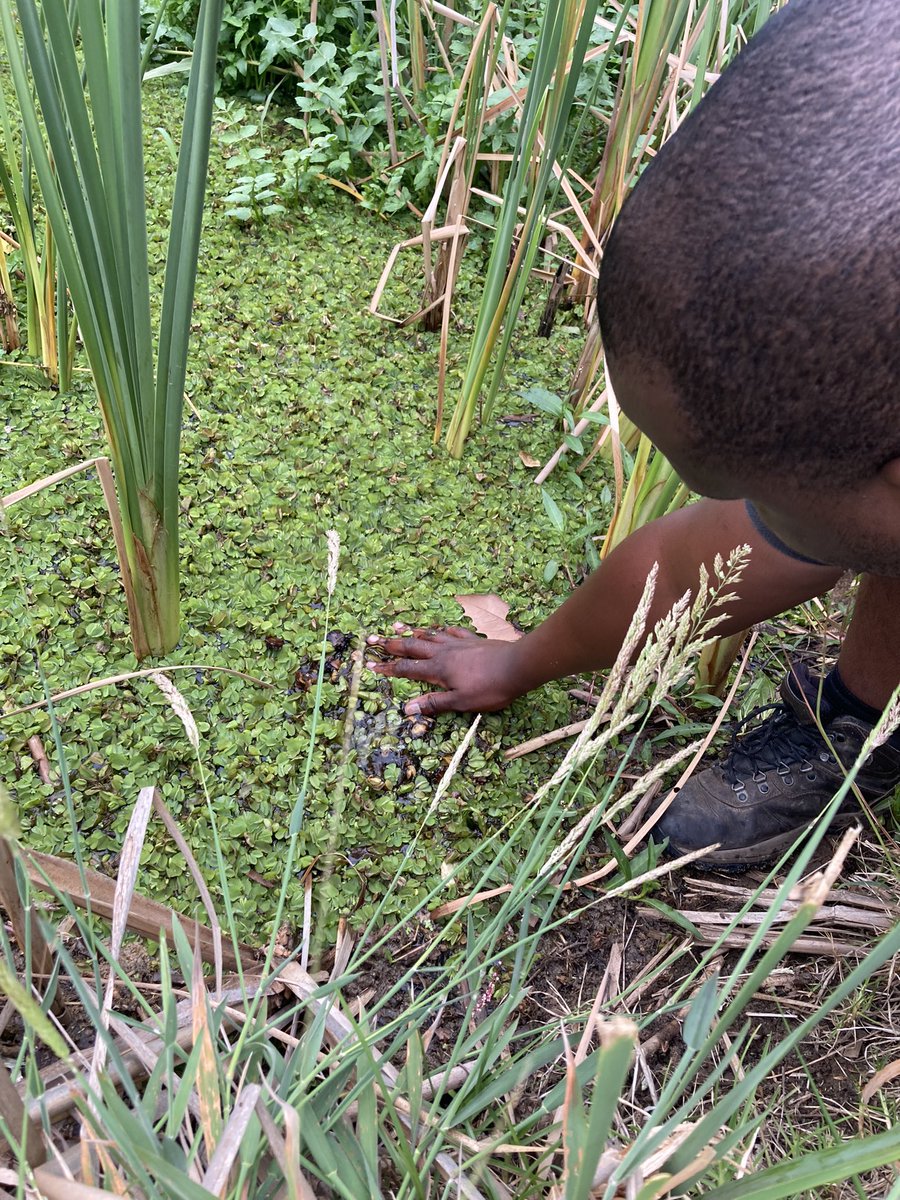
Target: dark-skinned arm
x,y
586,632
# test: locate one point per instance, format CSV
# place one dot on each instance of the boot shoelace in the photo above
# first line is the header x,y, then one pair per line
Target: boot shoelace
x,y
778,743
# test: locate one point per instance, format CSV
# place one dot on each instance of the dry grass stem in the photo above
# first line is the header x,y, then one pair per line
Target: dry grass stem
x,y
846,921
126,677
544,739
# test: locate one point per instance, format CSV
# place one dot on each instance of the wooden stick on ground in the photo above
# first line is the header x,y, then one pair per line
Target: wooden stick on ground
x,y
144,916
25,925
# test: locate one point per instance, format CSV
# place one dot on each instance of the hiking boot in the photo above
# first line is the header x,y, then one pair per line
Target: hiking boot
x,y
775,780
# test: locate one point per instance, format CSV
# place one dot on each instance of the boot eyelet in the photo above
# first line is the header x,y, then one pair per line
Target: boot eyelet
x,y
759,777
812,777
741,797
763,787
738,785
823,757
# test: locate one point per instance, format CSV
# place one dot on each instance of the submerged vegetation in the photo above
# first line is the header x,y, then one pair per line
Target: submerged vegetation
x,y
384,960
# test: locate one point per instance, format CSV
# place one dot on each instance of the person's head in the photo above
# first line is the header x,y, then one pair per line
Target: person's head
x,y
749,298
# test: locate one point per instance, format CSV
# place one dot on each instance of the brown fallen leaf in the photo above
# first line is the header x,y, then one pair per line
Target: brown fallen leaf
x,y
488,615
528,459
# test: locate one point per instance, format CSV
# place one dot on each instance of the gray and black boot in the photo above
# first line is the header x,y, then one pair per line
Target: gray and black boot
x,y
775,780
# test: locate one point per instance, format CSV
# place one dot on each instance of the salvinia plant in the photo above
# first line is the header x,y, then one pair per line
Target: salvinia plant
x,y
77,70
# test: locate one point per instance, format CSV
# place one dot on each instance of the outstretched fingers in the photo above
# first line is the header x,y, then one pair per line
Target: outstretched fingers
x,y
417,643
475,673
421,655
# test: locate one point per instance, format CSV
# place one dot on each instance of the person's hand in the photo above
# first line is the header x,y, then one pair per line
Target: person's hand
x,y
477,674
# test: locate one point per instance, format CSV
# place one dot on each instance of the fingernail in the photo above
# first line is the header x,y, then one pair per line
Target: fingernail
x,y
370,665
413,708
373,639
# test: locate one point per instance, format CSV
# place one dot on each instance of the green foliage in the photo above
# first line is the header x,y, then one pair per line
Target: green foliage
x,y
307,415
323,79
334,102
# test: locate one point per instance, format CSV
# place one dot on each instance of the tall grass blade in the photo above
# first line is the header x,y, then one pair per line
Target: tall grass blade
x,y
565,30
814,1171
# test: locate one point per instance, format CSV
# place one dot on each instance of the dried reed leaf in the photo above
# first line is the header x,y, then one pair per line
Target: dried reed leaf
x,y
879,1079
18,1121
231,1137
334,555
814,890
24,923
125,677
32,489
856,905
343,948
444,233
123,894
56,1187
307,919
206,1080
178,838
666,868
286,1148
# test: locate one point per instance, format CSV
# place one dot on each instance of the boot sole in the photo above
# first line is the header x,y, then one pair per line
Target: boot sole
x,y
763,854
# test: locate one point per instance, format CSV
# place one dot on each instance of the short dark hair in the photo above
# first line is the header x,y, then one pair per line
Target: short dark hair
x,y
757,261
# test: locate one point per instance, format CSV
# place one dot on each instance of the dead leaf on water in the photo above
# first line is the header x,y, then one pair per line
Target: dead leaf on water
x,y
488,615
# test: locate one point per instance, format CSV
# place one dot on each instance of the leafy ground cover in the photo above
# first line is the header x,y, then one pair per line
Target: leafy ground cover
x,y
306,415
